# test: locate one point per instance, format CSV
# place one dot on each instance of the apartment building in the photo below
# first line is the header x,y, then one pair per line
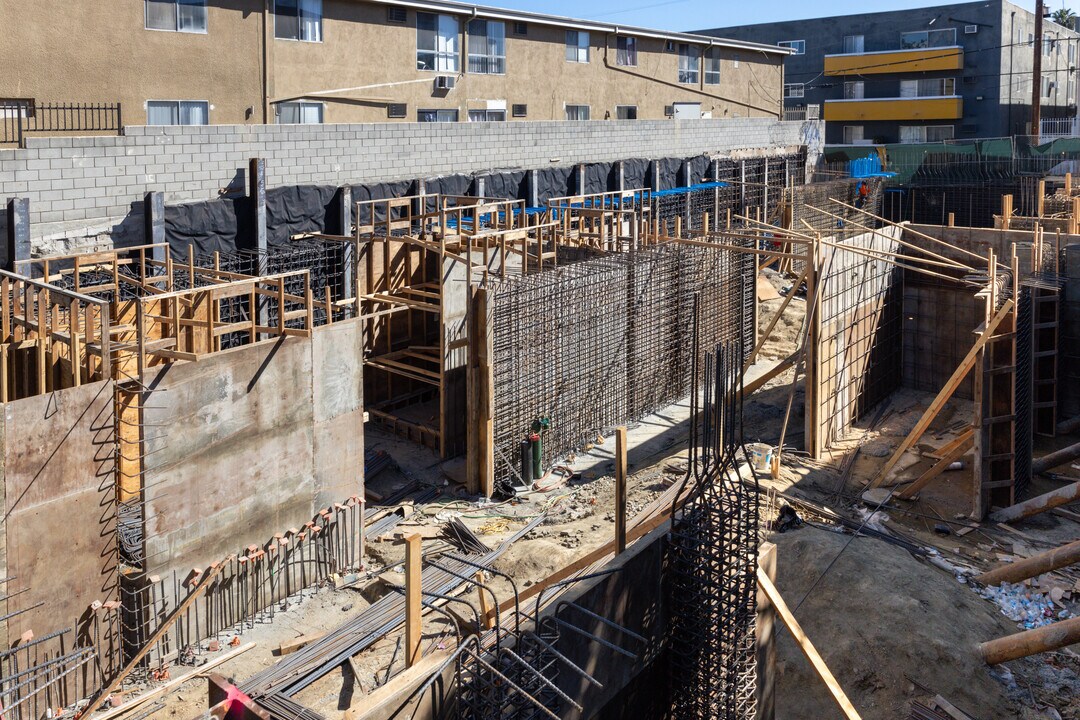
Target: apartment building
x,y
926,74
340,61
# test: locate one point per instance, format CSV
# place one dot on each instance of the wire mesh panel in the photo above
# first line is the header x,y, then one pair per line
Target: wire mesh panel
x,y
813,209
712,562
1022,389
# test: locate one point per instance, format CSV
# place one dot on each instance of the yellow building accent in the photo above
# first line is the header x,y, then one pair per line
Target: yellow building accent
x,y
944,108
899,61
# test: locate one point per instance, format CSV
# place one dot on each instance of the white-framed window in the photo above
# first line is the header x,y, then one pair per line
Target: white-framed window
x,y
1047,86
436,116
853,134
437,43
487,47
912,134
298,20
176,15
1070,91
940,133
944,37
626,112
932,87
1048,44
854,90
799,46
854,44
689,63
626,51
577,112
177,112
794,90
1072,53
300,113
487,115
712,66
577,46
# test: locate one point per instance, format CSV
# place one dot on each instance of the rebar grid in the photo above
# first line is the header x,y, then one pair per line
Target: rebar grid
x,y
809,200
1023,408
602,342
711,577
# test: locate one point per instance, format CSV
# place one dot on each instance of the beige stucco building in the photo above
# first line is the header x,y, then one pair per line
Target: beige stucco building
x,y
338,61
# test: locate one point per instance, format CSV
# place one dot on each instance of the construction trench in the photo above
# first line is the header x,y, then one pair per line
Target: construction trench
x,y
711,437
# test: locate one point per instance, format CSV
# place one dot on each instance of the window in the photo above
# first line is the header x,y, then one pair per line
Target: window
x,y
689,63
487,47
437,42
176,15
853,134
298,20
794,90
799,46
11,108
1072,53
854,90
177,112
939,133
1070,91
928,39
397,110
398,15
854,44
436,115
626,112
912,134
712,66
520,110
487,115
934,87
1048,45
521,29
577,46
626,51
1047,86
577,112
299,113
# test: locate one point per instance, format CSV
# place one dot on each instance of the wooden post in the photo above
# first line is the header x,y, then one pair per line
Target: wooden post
x,y
486,614
413,598
620,489
766,640
1006,211
1044,639
1040,504
1033,566
952,219
1068,184
806,646
1041,201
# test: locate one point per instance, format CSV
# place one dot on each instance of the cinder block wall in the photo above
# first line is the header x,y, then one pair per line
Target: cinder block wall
x,y
95,185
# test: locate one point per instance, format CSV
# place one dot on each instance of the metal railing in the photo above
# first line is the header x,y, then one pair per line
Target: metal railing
x,y
1054,128
19,118
803,112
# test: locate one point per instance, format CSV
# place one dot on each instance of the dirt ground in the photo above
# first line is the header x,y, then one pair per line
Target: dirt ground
x,y
892,627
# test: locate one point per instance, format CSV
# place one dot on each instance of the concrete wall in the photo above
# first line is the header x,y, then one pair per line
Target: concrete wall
x,y
88,186
250,442
59,514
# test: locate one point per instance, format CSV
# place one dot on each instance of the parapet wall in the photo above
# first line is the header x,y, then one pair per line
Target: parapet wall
x,y
91,184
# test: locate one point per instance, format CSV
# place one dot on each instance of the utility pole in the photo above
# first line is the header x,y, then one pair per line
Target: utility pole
x,y
1036,71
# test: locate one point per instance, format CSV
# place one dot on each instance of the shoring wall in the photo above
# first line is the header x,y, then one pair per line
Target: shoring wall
x,y
856,336
603,342
95,186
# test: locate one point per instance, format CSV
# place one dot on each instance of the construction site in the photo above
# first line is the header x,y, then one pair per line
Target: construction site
x,y
705,426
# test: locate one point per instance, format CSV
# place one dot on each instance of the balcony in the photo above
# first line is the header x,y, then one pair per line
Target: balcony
x,y
931,59
949,107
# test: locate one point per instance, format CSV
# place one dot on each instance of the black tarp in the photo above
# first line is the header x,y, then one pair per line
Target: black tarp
x,y
554,182
700,170
298,209
450,185
509,185
211,226
380,191
669,170
635,174
599,177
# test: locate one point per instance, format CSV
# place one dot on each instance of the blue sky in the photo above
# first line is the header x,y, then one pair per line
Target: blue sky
x,y
697,14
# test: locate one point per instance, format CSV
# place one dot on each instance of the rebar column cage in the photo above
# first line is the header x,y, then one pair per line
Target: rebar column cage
x,y
711,576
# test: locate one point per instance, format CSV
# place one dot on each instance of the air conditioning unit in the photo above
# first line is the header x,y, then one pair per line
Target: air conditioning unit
x,y
971,29
445,82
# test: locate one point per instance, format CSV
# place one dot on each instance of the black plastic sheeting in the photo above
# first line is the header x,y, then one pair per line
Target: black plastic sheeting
x,y
450,185
554,182
669,170
511,185
211,226
700,170
380,191
301,209
599,177
635,174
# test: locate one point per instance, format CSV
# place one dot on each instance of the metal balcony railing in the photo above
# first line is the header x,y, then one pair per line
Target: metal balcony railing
x,y
803,112
19,118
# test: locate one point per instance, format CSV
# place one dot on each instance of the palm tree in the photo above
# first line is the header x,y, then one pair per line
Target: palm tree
x,y
1065,18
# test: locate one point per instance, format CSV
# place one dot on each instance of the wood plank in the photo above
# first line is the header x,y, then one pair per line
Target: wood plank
x,y
806,646
413,598
944,394
620,489
941,465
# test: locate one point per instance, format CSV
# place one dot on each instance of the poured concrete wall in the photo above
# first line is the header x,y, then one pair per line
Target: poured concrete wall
x,y
59,509
250,442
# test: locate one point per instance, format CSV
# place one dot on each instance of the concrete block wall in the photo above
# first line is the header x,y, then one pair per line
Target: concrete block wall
x,y
94,185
